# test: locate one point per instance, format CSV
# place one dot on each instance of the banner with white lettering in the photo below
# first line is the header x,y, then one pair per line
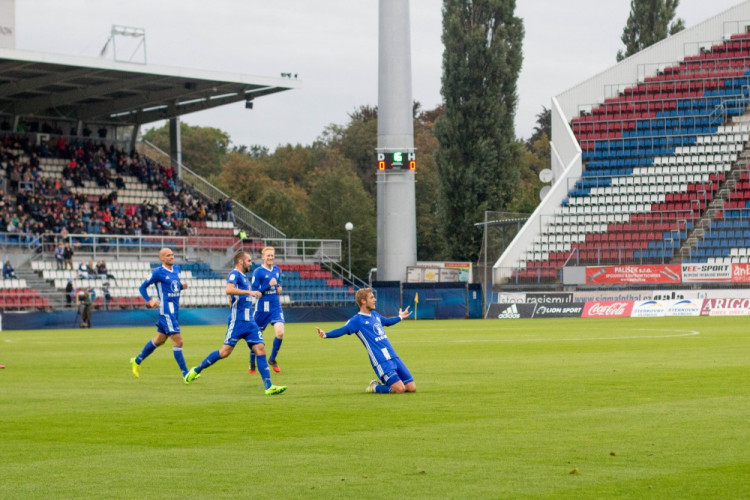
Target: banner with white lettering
x,y
608,309
511,311
569,310
725,307
741,273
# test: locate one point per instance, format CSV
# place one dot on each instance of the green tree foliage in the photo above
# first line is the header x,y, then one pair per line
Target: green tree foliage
x,y
649,22
531,161
254,151
204,149
543,126
337,196
430,245
357,142
282,204
477,160
313,191
291,164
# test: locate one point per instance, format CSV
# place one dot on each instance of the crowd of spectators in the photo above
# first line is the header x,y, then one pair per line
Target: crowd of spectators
x,y
36,204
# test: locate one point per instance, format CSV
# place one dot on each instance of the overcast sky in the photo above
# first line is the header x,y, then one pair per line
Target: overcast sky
x,y
332,46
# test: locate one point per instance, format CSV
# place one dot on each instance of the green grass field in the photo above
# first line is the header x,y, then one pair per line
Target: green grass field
x,y
567,408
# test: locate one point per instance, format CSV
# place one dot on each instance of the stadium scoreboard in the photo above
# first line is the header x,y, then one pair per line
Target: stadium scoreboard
x,y
396,160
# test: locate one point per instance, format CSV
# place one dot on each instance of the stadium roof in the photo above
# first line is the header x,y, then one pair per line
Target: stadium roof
x,y
58,87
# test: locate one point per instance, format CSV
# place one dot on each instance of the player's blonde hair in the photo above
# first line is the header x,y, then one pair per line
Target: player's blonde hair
x,y
266,249
361,295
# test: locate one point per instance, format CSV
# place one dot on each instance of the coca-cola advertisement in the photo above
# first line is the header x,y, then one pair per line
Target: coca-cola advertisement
x,y
741,273
633,273
608,309
725,307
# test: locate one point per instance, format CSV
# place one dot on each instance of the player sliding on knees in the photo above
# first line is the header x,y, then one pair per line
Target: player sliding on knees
x,y
240,326
393,376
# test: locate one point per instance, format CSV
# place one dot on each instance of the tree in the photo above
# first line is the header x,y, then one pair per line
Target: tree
x,y
476,157
649,22
532,159
336,197
203,148
357,142
254,151
430,246
543,126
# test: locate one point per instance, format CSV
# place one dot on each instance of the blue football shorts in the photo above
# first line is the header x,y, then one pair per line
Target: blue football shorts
x,y
395,370
247,330
264,318
167,325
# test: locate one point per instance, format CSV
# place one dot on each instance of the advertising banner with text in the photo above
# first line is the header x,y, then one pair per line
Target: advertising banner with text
x,y
608,309
511,311
647,274
569,310
703,272
741,273
725,307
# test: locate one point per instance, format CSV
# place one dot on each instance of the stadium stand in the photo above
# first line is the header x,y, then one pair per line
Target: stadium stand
x,y
90,193
303,284
664,177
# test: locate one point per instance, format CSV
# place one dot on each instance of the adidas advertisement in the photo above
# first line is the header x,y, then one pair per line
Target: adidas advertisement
x,y
511,311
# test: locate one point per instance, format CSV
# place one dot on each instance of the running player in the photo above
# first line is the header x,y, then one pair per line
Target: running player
x,y
166,279
240,326
267,280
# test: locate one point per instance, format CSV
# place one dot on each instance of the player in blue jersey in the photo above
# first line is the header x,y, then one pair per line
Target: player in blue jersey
x,y
267,280
240,326
367,325
168,285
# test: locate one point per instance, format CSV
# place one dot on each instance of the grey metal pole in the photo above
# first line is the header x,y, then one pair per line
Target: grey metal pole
x,y
349,226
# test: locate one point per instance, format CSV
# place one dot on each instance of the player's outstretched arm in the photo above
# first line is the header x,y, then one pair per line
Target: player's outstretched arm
x,y
338,332
403,314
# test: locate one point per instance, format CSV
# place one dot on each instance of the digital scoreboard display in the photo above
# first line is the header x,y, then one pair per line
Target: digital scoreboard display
x,y
397,160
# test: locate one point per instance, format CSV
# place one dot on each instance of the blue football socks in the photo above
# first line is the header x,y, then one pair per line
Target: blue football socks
x,y
147,350
276,346
210,359
177,351
382,389
265,372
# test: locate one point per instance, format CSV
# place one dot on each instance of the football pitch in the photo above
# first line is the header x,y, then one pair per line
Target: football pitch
x,y
563,408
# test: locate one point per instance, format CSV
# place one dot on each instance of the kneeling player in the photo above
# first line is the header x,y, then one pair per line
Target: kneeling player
x,y
368,325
